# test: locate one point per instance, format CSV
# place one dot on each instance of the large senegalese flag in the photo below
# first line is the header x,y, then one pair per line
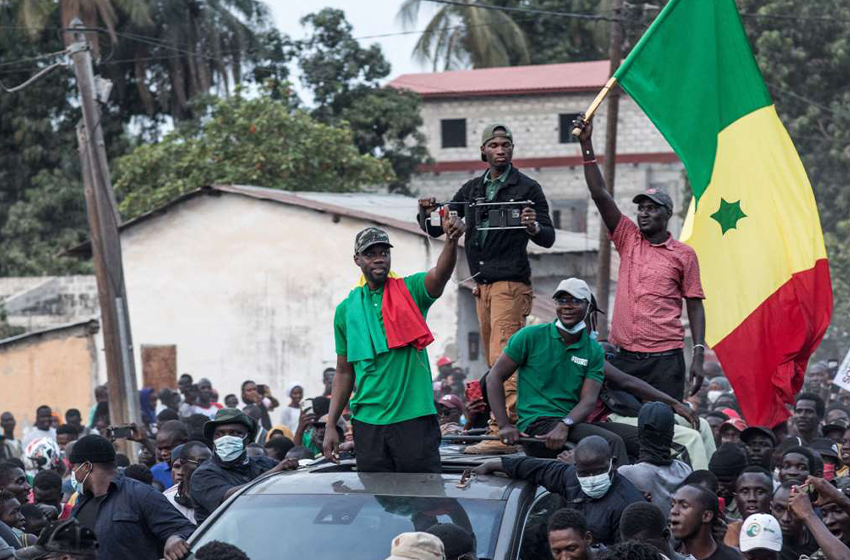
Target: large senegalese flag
x,y
753,221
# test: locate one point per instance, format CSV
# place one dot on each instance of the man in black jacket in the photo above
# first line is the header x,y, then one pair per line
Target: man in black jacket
x,y
592,486
498,258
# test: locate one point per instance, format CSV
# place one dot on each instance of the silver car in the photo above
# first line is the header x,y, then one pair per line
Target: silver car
x,y
330,512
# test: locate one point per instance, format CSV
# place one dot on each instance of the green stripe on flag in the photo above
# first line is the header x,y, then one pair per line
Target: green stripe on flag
x,y
693,74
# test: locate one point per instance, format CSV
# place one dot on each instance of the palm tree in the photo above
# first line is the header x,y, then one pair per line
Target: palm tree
x,y
461,36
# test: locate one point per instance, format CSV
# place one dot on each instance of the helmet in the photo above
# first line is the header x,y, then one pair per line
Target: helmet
x,y
42,454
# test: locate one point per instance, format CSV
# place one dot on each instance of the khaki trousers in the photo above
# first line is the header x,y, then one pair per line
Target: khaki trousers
x,y
502,309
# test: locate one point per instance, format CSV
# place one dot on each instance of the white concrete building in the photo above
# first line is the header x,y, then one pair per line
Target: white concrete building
x,y
244,281
538,103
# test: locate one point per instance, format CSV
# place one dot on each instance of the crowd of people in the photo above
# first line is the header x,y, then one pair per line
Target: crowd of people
x,y
649,451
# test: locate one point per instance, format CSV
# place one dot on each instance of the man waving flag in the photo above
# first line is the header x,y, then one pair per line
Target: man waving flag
x,y
753,221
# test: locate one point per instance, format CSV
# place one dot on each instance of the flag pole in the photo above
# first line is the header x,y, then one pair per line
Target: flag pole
x,y
588,115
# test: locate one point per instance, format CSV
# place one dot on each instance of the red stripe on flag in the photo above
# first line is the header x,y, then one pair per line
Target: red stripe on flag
x,y
765,357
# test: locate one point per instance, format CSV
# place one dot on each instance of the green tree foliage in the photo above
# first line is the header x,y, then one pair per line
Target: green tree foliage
x,y
257,141
460,36
805,61
343,78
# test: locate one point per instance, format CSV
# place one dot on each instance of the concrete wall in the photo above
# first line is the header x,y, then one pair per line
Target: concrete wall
x,y
246,289
37,303
56,368
533,119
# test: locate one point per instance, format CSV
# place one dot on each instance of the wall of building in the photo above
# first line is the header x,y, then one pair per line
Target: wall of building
x,y
43,302
57,368
246,289
534,121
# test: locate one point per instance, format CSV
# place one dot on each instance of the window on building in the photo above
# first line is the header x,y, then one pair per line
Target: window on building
x,y
566,127
453,133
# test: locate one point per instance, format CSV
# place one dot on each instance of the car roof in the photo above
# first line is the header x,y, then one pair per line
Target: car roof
x,y
342,479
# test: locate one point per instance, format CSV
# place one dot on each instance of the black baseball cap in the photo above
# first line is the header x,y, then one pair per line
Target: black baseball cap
x,y
658,196
456,539
63,537
368,237
758,430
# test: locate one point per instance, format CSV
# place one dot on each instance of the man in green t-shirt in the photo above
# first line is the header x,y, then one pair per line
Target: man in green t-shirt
x,y
380,334
560,375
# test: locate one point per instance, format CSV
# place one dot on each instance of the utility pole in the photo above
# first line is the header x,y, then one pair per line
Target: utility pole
x,y
609,167
106,246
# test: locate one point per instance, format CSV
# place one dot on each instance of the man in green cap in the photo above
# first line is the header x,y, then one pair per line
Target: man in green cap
x,y
230,468
381,335
498,259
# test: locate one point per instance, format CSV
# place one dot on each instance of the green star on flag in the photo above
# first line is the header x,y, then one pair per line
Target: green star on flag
x,y
728,215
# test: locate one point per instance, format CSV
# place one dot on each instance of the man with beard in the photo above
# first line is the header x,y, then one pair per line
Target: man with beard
x,y
693,513
381,336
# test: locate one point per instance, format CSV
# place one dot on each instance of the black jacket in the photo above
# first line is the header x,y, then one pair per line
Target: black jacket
x,y
212,479
602,514
133,521
503,256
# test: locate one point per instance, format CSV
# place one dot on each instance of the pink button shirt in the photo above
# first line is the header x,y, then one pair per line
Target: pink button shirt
x,y
652,281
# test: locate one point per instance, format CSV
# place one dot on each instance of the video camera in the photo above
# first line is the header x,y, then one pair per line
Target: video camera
x,y
498,215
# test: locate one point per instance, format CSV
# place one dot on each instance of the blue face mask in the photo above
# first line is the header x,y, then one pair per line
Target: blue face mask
x,y
229,448
596,486
575,329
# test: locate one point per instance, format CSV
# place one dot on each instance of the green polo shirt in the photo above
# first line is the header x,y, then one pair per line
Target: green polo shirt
x,y
551,373
397,386
491,188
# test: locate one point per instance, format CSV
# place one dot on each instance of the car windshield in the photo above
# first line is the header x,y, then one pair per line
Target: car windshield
x,y
355,527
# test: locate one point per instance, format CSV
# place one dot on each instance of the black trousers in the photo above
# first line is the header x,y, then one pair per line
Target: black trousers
x,y
665,373
412,446
621,438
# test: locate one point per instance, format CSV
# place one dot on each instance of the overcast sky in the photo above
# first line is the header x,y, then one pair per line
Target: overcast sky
x,y
368,18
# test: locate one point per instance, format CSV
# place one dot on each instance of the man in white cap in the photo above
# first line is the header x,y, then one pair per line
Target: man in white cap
x,y
761,537
560,375
417,546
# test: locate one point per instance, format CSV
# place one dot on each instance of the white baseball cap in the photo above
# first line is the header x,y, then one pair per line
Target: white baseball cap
x,y
576,287
761,530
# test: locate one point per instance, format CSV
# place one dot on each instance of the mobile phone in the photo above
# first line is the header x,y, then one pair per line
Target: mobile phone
x,y
307,406
119,432
813,493
721,503
473,390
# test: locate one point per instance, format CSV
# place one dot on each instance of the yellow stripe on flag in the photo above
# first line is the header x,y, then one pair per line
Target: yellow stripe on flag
x,y
760,193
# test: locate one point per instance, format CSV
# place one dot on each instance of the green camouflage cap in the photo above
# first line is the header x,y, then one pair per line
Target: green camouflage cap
x,y
368,237
230,416
490,132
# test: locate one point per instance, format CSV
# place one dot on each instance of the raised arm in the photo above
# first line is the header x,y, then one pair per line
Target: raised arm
x,y
595,182
832,547
437,278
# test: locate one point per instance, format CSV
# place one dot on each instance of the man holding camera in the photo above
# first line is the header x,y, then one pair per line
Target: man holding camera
x,y
498,258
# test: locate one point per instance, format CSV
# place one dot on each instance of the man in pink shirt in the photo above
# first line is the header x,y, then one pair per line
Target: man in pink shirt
x,y
656,273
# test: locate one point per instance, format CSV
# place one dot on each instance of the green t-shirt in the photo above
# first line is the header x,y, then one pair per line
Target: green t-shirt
x,y
397,386
551,374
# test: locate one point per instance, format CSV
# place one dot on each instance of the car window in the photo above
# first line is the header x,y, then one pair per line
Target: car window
x,y
535,544
354,527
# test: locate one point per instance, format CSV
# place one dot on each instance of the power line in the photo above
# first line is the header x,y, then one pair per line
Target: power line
x,y
573,15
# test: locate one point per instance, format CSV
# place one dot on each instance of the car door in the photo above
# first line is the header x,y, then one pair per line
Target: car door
x,y
534,544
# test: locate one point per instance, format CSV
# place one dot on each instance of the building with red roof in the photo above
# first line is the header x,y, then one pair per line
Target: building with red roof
x,y
538,103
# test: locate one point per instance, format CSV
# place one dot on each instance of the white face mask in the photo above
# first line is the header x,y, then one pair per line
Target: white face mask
x,y
229,448
597,485
575,329
713,395
77,485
